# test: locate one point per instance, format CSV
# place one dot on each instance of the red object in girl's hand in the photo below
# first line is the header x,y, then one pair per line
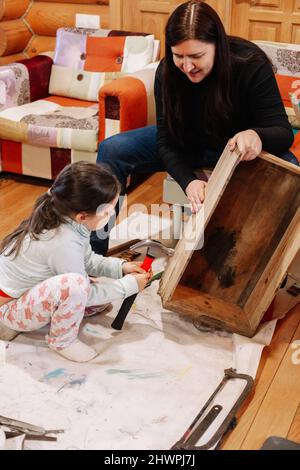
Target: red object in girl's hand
x,y
147,263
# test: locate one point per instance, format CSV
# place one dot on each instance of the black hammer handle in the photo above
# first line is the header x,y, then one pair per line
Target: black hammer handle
x,y
118,322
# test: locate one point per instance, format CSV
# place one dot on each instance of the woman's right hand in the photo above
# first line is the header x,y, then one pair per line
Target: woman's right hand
x,y
142,279
195,192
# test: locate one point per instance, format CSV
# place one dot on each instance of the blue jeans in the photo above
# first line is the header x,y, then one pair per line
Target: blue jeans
x,y
137,151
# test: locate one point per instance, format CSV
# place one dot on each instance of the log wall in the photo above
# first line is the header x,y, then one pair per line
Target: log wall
x,y
28,27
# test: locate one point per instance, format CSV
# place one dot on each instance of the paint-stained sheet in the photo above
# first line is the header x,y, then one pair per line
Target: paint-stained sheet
x,y
143,390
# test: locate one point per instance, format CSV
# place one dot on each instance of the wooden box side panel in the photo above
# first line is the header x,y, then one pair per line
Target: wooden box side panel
x,y
211,311
252,217
275,273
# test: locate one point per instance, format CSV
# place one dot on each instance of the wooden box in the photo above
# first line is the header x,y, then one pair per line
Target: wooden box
x,y
251,217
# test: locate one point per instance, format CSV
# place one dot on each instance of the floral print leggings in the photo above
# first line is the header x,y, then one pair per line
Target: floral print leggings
x,y
60,301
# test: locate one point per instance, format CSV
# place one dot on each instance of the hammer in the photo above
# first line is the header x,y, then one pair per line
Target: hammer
x,y
151,245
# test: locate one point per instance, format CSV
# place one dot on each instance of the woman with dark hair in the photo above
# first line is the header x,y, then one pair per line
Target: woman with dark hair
x,y
209,88
46,262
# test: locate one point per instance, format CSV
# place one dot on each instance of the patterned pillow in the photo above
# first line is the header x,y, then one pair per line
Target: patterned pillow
x,y
287,85
284,57
86,59
118,53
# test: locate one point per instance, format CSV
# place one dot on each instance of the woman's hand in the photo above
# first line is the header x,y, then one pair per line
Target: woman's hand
x,y
248,143
195,192
132,268
142,279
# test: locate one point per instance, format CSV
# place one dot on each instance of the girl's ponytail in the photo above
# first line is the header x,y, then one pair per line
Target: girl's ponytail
x,y
79,187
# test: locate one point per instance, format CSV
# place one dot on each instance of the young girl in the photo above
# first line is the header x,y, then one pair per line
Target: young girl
x,y
46,262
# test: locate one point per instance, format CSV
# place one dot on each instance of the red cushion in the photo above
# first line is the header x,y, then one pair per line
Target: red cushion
x,y
39,70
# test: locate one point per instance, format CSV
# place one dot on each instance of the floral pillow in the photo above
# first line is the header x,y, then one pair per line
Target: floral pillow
x,y
289,87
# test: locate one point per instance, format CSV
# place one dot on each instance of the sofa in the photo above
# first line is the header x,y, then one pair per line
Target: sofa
x,y
55,108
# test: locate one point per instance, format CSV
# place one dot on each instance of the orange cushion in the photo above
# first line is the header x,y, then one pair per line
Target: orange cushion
x,y
63,101
284,83
104,54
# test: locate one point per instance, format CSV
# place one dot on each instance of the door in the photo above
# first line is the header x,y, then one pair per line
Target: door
x,y
269,20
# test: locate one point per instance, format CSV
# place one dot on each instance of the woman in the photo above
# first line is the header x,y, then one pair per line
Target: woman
x,y
209,88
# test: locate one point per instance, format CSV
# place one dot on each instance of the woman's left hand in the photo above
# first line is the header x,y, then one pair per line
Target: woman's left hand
x,y
133,268
248,143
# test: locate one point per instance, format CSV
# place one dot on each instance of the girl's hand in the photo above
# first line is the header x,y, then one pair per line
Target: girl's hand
x,y
142,279
132,268
248,143
195,192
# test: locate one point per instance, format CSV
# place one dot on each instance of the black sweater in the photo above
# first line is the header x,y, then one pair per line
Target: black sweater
x,y
256,103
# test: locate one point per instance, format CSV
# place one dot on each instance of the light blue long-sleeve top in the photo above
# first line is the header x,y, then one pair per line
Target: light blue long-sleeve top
x,y
65,249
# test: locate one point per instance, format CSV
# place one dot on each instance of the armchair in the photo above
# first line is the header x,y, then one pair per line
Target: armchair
x,y
55,108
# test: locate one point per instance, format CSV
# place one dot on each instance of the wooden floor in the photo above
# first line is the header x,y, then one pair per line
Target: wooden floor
x,y
274,408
